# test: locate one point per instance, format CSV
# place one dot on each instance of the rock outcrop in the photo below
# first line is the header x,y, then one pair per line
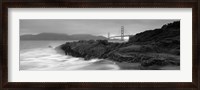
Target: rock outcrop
x,y
154,47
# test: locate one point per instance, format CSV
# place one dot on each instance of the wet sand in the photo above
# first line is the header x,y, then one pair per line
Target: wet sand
x,y
101,65
137,66
128,66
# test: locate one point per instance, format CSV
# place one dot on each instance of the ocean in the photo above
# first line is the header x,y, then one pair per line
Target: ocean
x,y
42,55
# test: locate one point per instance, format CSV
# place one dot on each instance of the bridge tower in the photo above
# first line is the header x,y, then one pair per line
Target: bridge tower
x,y
109,35
122,33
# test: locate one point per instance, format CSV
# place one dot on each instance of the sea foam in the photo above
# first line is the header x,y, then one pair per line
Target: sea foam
x,y
49,59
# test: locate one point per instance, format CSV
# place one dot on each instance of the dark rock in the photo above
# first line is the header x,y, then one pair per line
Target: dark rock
x,y
155,47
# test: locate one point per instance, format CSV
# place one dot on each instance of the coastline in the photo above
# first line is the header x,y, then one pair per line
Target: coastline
x,y
120,52
148,50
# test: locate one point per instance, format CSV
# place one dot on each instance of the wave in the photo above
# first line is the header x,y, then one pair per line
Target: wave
x,y
51,59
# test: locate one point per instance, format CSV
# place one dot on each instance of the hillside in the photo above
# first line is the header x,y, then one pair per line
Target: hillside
x,y
167,36
152,49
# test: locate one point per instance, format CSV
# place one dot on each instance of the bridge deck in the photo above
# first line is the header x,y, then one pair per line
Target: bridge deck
x,y
121,36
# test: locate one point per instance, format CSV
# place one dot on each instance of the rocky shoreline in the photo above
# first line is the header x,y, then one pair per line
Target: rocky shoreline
x,y
120,52
159,47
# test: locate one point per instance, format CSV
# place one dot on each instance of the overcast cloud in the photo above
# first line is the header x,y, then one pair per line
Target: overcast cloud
x,y
88,26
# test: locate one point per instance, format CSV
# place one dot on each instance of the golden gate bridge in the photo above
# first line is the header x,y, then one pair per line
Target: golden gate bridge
x,y
122,34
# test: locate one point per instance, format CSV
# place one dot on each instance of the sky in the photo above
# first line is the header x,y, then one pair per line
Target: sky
x,y
96,27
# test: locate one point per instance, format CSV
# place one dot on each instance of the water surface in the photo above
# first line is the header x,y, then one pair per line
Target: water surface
x,y
42,55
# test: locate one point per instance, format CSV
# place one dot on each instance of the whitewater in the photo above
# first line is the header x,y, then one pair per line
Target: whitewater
x,y
41,57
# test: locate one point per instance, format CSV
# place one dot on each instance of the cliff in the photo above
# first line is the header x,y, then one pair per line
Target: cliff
x,y
167,36
153,47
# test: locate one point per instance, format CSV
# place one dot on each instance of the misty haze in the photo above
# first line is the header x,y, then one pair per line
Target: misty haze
x,y
99,44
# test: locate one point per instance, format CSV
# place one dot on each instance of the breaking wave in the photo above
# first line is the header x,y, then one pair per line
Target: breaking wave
x,y
51,59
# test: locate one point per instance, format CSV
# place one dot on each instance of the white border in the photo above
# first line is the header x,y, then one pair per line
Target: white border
x,y
183,75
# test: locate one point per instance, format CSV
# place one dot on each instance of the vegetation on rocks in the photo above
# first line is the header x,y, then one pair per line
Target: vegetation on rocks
x,y
153,47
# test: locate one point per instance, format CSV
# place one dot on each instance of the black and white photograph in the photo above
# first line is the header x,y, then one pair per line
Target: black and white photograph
x,y
99,44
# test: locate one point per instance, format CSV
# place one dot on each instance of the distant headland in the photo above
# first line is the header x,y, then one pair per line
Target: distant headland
x,y
59,36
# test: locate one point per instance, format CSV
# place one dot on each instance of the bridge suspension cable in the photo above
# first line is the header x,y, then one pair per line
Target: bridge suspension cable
x,y
122,34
